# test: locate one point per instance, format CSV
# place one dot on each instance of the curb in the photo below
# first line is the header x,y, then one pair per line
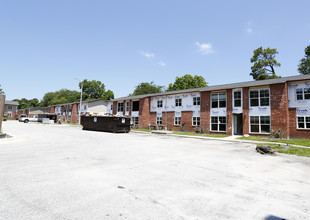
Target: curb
x,y
222,139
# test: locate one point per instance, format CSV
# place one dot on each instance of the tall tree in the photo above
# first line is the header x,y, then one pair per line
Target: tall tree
x,y
187,82
95,90
147,88
304,63
264,64
1,91
60,97
25,103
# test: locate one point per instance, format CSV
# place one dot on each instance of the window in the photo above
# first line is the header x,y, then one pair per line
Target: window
x,y
302,94
299,94
127,106
135,106
120,106
178,102
159,103
111,107
237,99
196,101
9,114
259,97
85,107
10,107
264,97
214,101
177,120
303,122
196,121
159,120
218,123
307,93
135,120
260,124
218,100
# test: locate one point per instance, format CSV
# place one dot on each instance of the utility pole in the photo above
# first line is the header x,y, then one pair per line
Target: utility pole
x,y
80,100
2,103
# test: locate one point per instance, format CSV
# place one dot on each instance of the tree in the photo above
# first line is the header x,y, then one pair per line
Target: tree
x,y
60,97
147,88
25,103
95,90
1,91
304,63
187,82
264,63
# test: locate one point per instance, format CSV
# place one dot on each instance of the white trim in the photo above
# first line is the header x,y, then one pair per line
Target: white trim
x,y
259,124
305,123
259,104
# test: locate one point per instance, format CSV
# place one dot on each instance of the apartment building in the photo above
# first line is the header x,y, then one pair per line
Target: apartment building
x,y
254,108
10,109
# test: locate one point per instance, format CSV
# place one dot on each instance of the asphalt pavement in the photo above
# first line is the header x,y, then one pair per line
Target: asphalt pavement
x,y
63,172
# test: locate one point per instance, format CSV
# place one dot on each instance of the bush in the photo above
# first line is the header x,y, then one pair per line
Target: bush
x,y
5,117
277,133
199,130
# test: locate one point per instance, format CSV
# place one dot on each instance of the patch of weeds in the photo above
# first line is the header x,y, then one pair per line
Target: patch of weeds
x,y
202,135
145,130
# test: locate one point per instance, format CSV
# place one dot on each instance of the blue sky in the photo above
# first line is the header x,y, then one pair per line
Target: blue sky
x,y
44,45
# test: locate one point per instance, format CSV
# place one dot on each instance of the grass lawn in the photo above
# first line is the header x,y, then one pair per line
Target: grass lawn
x,y
301,142
202,135
188,133
305,152
146,130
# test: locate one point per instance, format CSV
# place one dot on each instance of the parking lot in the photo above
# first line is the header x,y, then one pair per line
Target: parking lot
x,y
63,172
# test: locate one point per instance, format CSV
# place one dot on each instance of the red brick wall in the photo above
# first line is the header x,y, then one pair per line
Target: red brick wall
x,y
153,117
293,131
279,108
130,107
229,112
246,118
114,107
14,114
144,112
205,111
74,114
170,122
186,117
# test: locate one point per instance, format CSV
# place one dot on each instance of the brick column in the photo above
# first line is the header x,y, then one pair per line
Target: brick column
x,y
245,116
279,108
144,112
229,112
186,117
130,107
74,114
205,111
114,108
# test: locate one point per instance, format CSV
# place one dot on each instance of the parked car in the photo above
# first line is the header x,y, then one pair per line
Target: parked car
x,y
25,119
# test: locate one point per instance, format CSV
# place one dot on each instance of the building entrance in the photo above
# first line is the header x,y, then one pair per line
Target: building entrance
x,y
237,124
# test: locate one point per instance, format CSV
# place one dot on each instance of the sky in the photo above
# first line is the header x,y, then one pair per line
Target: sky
x,y
45,45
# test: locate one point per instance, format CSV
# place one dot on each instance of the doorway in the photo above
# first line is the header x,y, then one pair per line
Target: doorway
x,y
237,124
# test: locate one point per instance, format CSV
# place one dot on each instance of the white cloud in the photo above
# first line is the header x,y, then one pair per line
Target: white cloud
x,y
161,63
204,48
249,30
147,54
